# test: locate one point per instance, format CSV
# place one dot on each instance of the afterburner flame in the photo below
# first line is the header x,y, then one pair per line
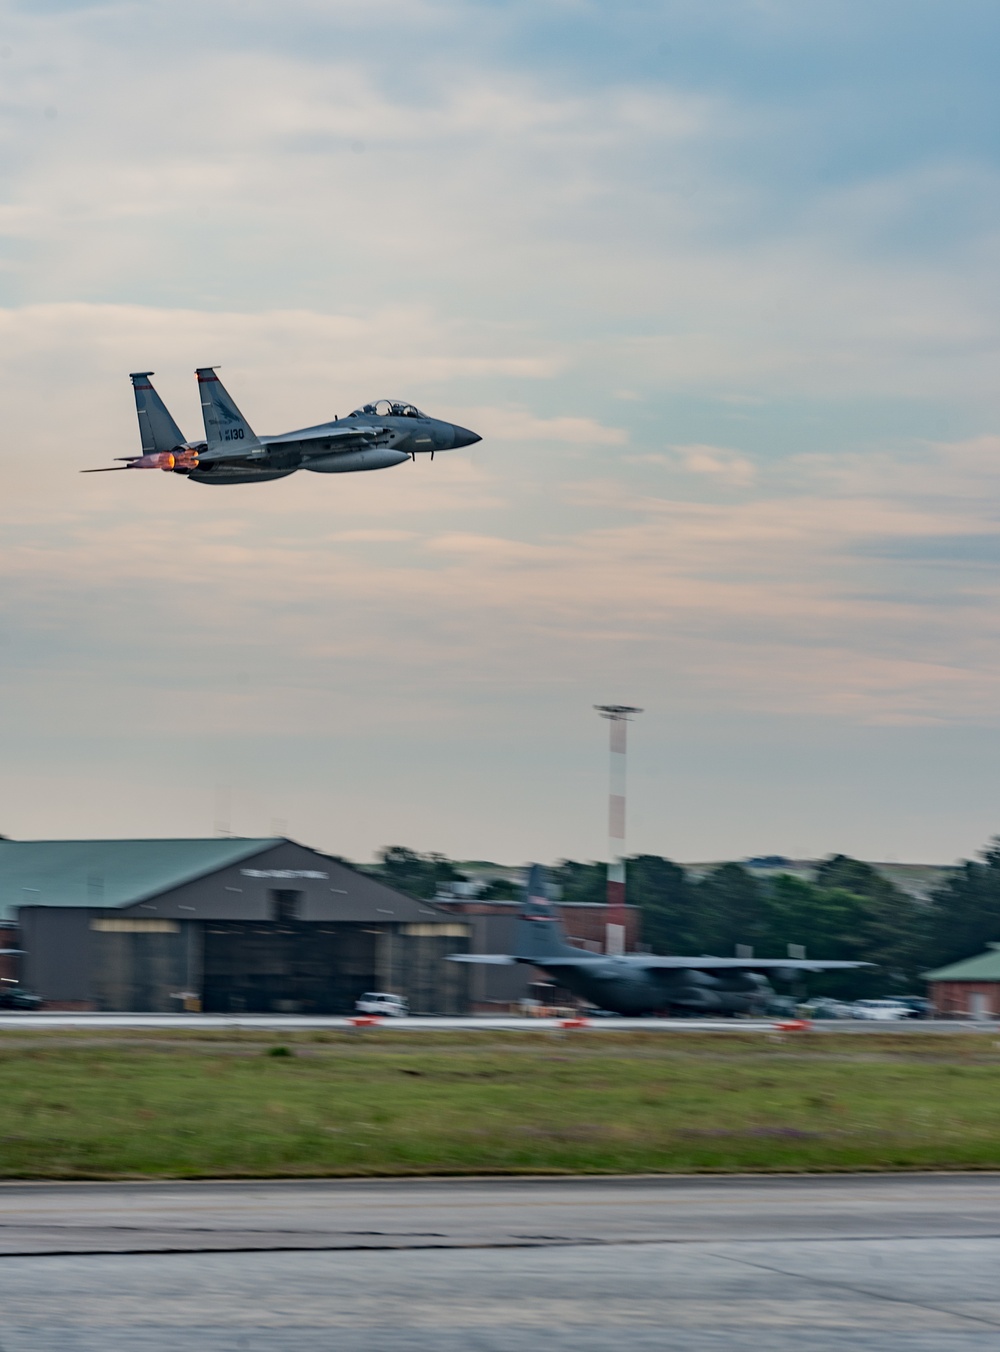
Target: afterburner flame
x,y
167,460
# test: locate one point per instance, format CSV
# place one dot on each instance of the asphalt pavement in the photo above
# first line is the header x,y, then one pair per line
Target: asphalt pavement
x,y
437,1023
629,1265
292,1022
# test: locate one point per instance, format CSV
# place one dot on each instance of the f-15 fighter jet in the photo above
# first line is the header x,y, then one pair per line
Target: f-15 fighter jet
x,y
375,436
642,983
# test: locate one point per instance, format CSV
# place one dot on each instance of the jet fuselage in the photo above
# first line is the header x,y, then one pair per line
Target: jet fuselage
x,y
376,436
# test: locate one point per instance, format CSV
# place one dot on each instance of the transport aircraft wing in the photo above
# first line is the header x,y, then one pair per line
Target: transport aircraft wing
x,y
492,959
654,961
710,964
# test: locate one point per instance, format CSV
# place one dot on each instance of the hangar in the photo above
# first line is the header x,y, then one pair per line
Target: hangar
x,y
226,925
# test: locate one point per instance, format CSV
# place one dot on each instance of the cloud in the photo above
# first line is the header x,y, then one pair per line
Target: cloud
x,y
285,367
730,342
718,462
766,604
610,219
372,536
514,424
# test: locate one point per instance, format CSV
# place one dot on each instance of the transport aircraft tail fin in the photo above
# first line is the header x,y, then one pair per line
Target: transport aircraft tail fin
x,y
157,429
539,930
226,429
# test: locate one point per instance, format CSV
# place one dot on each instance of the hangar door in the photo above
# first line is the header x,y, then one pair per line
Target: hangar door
x,y
286,967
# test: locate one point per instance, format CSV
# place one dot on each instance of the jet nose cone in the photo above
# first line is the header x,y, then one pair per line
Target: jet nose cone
x,y
463,437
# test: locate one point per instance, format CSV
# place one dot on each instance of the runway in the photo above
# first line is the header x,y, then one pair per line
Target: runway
x,y
444,1023
293,1022
814,1264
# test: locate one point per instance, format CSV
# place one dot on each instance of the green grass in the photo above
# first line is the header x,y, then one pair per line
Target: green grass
x,y
231,1105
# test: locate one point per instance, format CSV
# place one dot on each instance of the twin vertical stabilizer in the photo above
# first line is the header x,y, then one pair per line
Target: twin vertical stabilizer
x,y
157,430
225,426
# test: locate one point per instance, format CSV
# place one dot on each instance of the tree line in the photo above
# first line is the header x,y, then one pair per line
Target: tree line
x,y
847,910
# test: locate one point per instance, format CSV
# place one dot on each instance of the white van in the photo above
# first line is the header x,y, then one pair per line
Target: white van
x,y
879,1009
382,1003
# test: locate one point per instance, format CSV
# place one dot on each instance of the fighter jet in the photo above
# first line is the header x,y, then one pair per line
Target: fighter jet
x,y
376,436
641,983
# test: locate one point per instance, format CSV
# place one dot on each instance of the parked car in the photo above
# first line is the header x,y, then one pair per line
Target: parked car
x,y
825,1008
15,997
382,1003
918,1007
879,1009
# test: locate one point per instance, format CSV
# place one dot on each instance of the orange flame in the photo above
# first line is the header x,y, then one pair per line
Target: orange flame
x,y
166,460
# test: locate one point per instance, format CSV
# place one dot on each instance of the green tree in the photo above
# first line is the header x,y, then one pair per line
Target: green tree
x,y
667,902
892,925
581,882
965,912
417,874
731,907
501,889
657,886
829,922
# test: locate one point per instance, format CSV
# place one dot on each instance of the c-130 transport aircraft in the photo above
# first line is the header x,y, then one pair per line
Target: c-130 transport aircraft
x,y
641,983
375,436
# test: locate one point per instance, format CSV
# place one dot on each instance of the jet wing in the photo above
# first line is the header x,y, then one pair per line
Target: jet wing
x,y
360,434
215,453
345,439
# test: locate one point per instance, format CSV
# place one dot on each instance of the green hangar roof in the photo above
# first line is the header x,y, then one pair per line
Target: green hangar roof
x,y
110,872
983,967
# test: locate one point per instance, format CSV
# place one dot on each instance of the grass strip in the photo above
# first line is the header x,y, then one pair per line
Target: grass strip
x,y
231,1105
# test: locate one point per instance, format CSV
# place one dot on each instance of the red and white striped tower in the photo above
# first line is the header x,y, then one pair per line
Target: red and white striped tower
x,y
618,716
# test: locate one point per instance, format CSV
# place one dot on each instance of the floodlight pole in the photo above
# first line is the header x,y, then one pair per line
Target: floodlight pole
x,y
618,716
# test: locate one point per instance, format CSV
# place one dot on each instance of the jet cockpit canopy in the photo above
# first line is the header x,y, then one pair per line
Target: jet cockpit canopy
x,y
388,408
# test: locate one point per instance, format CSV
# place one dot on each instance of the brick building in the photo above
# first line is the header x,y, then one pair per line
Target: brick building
x,y
10,966
968,989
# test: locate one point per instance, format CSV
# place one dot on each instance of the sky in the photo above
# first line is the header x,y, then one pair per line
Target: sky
x,y
717,283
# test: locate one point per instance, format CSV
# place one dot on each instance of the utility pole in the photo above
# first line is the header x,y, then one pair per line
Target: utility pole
x,y
223,809
618,716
